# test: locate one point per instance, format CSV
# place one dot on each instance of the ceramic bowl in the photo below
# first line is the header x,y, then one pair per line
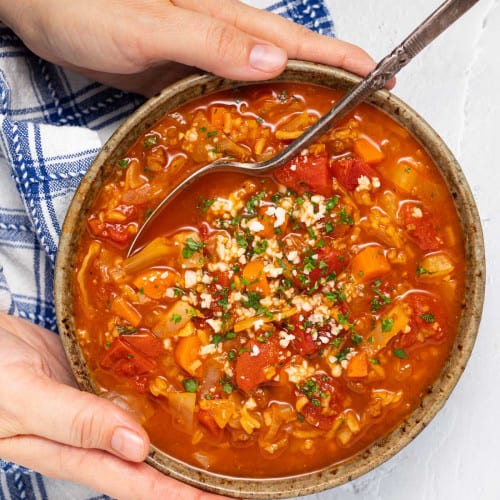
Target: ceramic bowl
x,y
191,88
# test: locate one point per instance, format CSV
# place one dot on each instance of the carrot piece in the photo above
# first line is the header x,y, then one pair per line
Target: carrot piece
x,y
255,278
358,366
126,311
268,221
368,150
186,354
369,263
154,283
217,116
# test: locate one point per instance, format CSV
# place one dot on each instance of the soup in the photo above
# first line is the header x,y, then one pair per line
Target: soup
x,y
274,325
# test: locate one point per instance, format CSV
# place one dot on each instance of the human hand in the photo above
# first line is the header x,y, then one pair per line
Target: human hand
x,y
142,46
50,426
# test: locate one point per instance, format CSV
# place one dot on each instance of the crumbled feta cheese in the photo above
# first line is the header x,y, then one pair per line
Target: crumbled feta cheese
x,y
255,226
207,349
280,217
255,350
190,278
216,324
206,300
298,372
285,338
364,183
417,213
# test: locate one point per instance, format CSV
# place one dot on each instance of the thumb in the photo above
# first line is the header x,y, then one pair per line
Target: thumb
x,y
196,39
66,415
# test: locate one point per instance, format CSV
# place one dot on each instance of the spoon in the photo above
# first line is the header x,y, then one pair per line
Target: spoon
x,y
446,14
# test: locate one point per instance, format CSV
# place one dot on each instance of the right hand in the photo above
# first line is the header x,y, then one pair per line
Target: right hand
x,y
142,46
50,426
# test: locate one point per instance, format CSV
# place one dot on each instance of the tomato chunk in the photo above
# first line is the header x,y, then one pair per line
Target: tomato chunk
x,y
348,172
325,400
329,261
255,365
126,361
417,221
306,173
427,320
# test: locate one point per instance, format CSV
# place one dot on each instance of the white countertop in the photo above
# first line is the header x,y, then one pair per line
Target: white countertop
x,y
453,84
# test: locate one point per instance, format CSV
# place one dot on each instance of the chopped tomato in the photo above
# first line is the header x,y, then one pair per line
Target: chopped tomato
x,y
255,365
116,232
303,342
306,173
325,400
418,223
348,172
427,320
146,344
124,360
206,418
329,261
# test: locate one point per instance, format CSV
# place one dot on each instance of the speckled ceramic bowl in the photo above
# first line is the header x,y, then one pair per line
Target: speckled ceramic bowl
x,y
199,85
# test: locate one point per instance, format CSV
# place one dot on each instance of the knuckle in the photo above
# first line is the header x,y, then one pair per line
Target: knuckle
x,y
86,429
220,39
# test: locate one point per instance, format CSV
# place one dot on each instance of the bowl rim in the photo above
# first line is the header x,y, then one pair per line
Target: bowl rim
x,y
385,448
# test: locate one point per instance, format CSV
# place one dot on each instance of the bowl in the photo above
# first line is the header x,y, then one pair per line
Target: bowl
x,y
297,71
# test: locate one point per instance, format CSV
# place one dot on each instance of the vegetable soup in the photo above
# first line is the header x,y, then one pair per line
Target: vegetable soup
x,y
274,325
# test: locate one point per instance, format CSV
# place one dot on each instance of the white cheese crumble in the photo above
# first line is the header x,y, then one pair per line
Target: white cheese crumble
x,y
417,213
216,324
298,372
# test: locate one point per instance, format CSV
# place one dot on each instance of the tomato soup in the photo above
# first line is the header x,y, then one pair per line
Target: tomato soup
x,y
269,326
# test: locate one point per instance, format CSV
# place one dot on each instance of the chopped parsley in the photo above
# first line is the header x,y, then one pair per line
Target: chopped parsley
x,y
150,140
125,329
428,317
400,353
387,324
176,318
191,247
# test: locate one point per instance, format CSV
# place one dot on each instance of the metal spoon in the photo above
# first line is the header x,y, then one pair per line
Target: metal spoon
x,y
447,13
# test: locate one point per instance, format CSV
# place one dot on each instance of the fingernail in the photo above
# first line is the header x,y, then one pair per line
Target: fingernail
x,y
267,58
128,444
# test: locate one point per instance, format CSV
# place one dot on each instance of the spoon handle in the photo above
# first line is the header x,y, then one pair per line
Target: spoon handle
x,y
445,15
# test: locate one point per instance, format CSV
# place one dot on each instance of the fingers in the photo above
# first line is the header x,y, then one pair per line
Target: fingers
x,y
209,43
98,470
299,42
44,407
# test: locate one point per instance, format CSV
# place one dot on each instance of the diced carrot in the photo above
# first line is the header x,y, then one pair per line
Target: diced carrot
x,y
154,283
358,366
368,150
217,116
255,278
268,222
126,311
369,263
187,355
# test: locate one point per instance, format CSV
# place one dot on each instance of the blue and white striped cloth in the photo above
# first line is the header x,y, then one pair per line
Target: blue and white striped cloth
x,y
52,124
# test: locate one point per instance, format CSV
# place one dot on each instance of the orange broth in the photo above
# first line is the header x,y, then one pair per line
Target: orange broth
x,y
275,325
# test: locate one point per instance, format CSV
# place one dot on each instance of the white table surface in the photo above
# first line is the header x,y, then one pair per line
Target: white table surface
x,y
454,85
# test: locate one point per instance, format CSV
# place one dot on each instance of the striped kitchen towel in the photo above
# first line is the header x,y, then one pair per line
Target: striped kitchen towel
x,y
52,124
